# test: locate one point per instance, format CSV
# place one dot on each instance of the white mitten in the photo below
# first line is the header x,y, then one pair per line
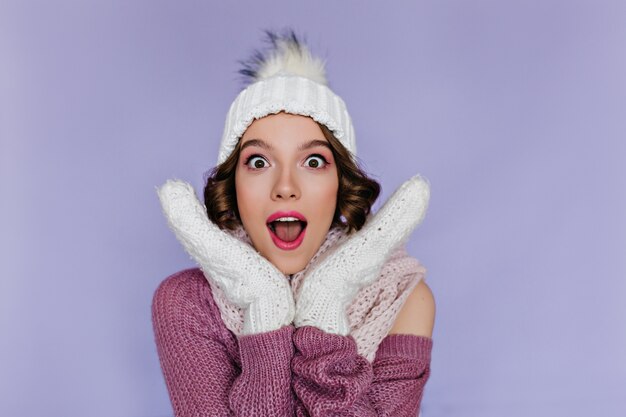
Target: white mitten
x,y
248,280
329,287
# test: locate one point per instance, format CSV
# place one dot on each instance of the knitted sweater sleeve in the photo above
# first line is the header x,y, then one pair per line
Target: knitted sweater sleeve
x,y
331,378
208,374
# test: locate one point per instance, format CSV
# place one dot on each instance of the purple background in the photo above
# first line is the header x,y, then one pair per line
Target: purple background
x,y
515,111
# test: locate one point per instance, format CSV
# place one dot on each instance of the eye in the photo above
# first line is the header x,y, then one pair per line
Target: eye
x,y
258,162
313,163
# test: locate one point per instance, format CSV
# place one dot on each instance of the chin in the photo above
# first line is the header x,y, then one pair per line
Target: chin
x,y
289,268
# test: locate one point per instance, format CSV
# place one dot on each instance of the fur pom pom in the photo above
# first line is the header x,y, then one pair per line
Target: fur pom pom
x,y
287,55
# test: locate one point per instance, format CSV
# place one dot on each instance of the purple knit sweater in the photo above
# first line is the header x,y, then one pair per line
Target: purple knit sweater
x,y
286,372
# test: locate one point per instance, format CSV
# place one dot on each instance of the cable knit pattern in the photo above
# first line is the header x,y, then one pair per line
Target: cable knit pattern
x,y
373,311
209,371
331,286
250,281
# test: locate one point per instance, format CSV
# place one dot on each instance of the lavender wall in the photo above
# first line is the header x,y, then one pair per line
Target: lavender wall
x,y
514,110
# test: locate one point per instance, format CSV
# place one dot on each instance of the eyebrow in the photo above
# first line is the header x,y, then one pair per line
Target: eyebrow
x,y
262,144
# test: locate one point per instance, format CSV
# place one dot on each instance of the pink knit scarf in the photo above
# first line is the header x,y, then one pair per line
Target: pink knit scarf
x,y
372,312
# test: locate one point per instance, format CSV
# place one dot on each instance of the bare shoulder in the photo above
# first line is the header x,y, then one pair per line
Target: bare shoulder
x,y
417,315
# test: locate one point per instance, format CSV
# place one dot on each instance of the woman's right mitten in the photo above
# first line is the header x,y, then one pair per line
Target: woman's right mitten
x,y
247,279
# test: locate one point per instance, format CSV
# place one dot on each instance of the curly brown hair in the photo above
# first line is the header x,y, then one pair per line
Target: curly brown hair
x,y
355,196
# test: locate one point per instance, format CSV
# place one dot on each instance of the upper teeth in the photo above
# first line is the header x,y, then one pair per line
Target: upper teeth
x,y
287,219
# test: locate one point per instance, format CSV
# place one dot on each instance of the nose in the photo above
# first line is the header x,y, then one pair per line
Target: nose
x,y
286,186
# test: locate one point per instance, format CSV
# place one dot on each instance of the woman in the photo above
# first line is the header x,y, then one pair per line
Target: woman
x,y
293,310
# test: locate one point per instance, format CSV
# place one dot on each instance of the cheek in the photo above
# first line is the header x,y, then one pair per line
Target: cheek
x,y
326,198
246,197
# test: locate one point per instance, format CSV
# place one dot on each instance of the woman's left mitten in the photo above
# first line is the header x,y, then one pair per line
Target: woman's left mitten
x,y
329,288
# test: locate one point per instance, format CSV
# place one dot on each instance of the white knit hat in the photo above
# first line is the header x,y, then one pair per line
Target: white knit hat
x,y
287,78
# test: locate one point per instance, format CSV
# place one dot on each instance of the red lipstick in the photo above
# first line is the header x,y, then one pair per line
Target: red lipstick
x,y
281,244
280,214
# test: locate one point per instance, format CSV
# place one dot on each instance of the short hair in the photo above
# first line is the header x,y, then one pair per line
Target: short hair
x,y
356,194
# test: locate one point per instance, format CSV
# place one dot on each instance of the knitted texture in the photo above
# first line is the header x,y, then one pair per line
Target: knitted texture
x,y
292,94
249,280
355,263
372,312
208,370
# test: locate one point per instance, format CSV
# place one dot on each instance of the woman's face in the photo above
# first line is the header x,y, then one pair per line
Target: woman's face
x,y
286,165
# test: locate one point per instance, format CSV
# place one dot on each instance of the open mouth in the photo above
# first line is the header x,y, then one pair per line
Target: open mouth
x,y
287,234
